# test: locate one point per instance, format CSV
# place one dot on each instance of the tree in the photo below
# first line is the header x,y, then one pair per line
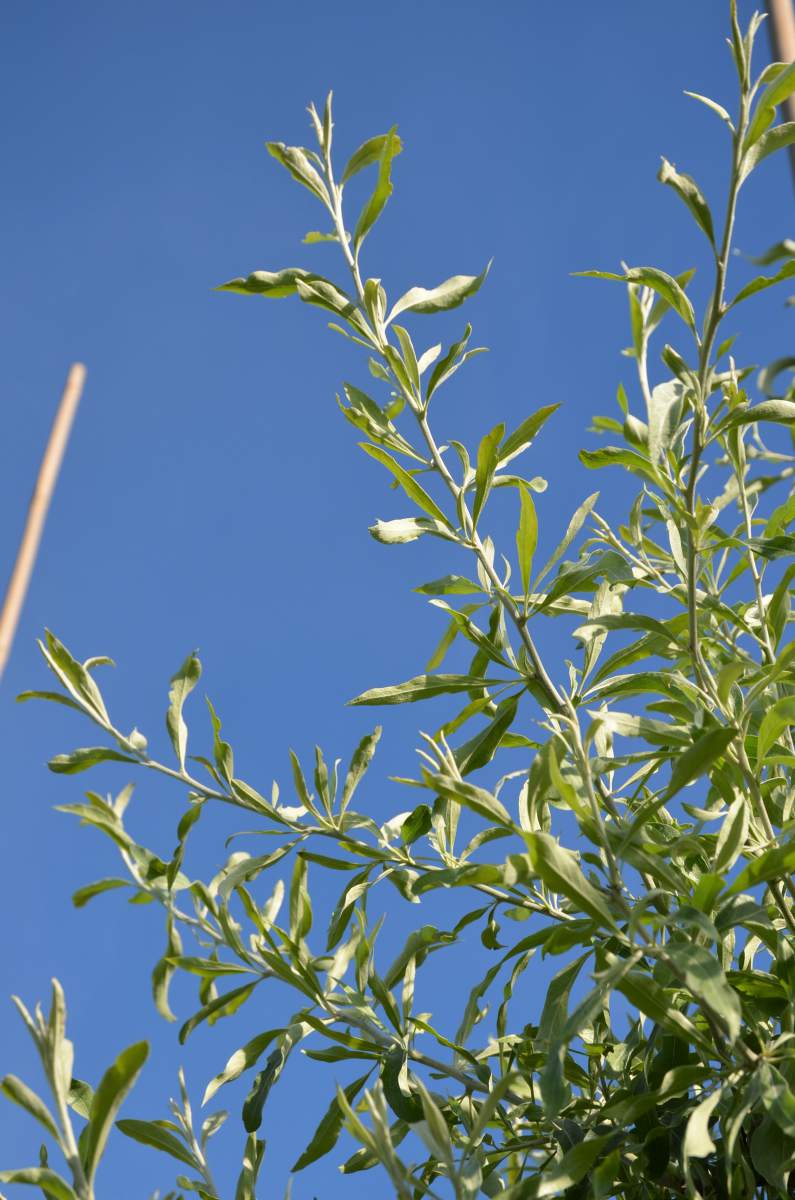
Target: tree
x,y
643,843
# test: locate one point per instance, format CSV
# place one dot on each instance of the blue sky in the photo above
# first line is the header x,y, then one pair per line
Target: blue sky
x,y
212,495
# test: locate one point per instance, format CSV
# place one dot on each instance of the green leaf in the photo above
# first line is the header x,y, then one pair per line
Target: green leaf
x,y
450,294
560,871
764,281
297,162
485,468
408,529
108,1098
554,1014
241,1061
773,863
410,486
81,1097
55,697
219,1006
526,537
260,1089
50,1183
360,762
783,249
85,757
328,1131
17,1091
422,687
480,750
382,191
733,833
449,585
84,894
704,977
152,1133
370,152
700,757
690,192
661,282
74,676
775,93
779,716
718,109
300,904
524,434
777,138
316,237
182,684
572,1167
575,525
416,824
449,363
697,1142
475,798
252,1161
268,283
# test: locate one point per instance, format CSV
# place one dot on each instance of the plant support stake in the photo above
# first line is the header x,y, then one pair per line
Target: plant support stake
x,y
37,512
781,24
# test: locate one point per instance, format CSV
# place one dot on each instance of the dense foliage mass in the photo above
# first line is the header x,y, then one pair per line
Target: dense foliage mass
x,y
645,844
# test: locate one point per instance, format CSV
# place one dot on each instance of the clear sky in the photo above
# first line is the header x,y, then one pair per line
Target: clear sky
x,y
212,495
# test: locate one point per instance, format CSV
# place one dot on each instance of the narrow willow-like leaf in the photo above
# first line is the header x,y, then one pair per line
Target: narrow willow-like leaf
x,y
110,1095
85,757
478,799
17,1091
422,687
328,1131
82,896
486,466
526,537
408,529
51,1184
410,486
268,283
150,1133
182,684
780,716
777,138
690,192
782,87
370,152
559,870
705,978
383,188
575,525
524,434
659,281
764,281
221,1006
297,162
450,294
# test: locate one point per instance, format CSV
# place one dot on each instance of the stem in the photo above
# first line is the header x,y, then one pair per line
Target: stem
x,y
70,1149
701,420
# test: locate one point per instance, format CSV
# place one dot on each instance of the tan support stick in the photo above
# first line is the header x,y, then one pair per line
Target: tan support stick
x,y
781,22
37,512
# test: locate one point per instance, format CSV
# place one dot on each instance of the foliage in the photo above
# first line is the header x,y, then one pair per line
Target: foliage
x,y
644,844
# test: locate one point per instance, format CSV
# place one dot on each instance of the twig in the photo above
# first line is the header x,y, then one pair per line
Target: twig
x,y
37,512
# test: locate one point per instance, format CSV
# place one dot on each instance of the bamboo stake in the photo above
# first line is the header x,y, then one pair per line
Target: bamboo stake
x,y
781,24
37,512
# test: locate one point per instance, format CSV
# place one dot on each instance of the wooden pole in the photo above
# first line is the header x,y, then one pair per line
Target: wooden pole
x,y
37,512
781,24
